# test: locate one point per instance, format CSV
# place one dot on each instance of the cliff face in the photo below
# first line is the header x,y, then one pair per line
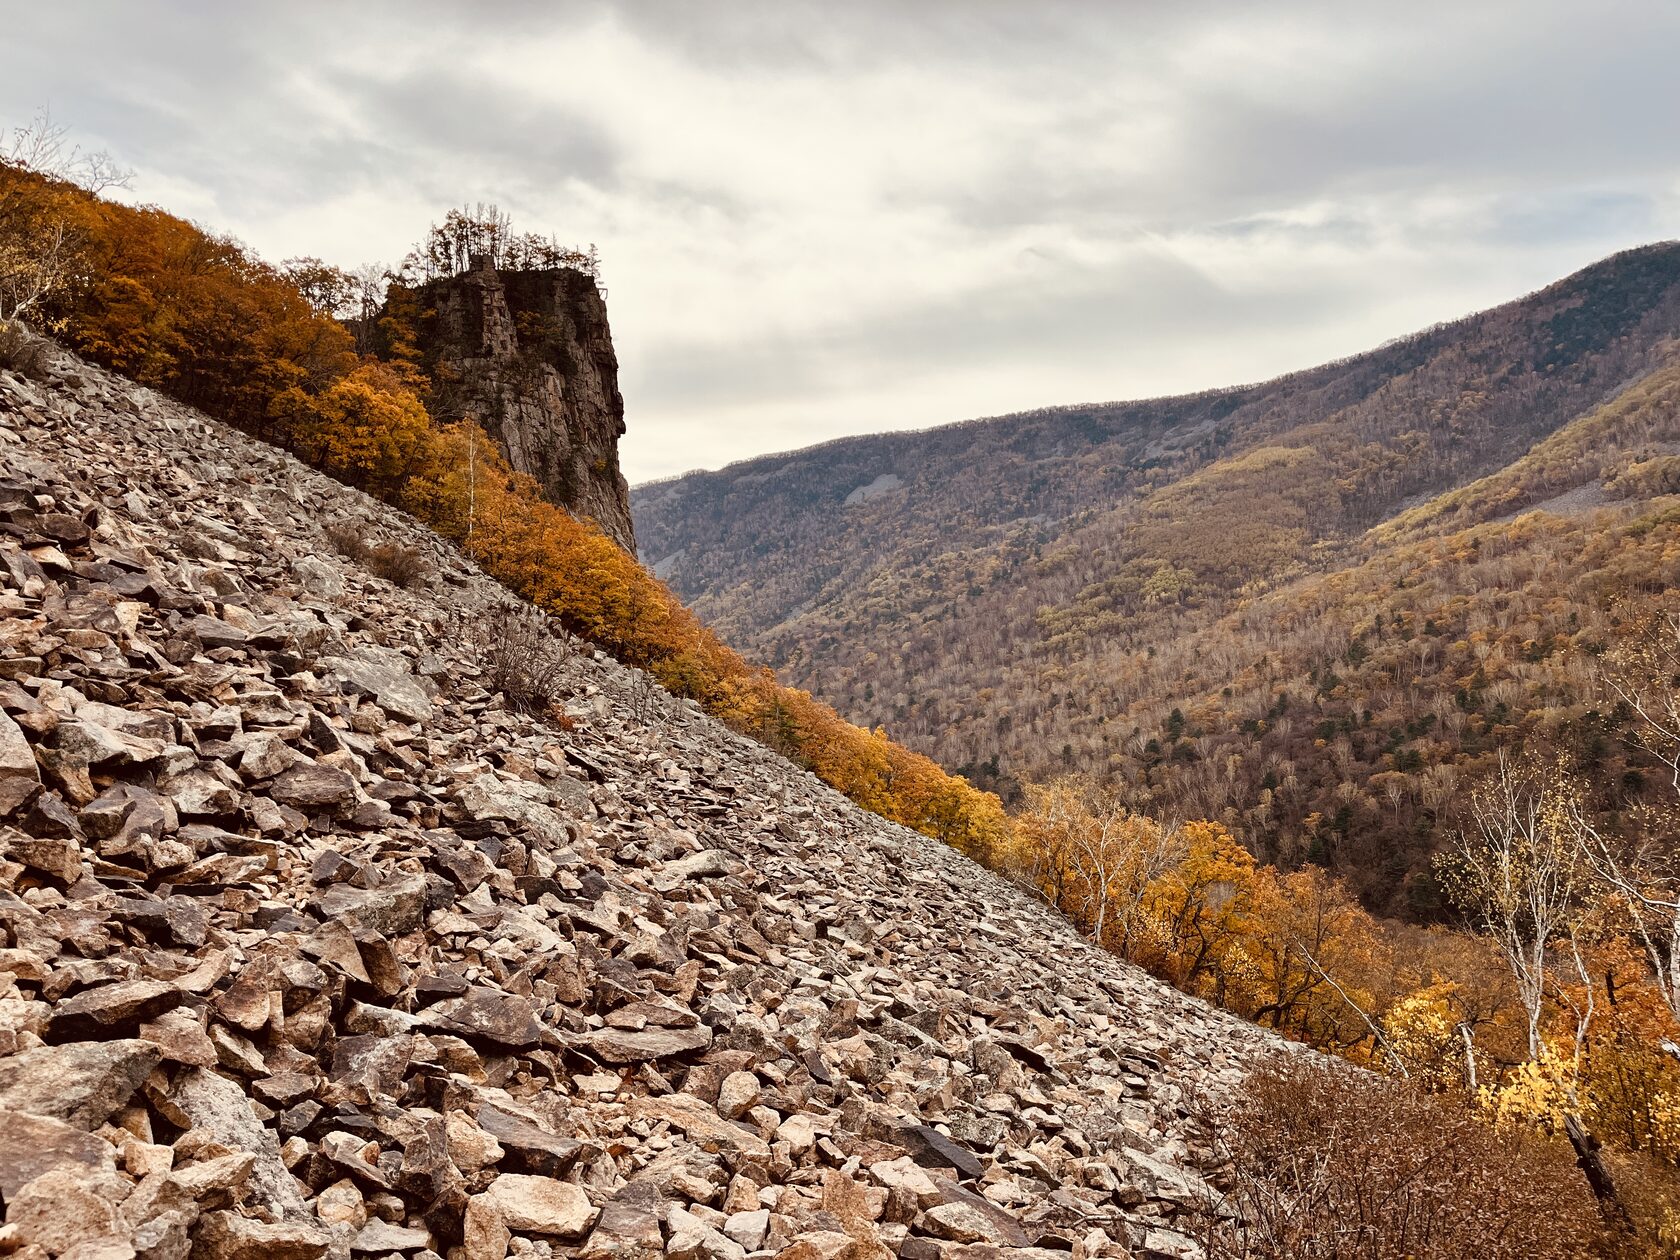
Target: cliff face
x,y
529,354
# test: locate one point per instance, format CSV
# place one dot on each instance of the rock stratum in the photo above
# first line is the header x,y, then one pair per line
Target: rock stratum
x,y
309,947
529,355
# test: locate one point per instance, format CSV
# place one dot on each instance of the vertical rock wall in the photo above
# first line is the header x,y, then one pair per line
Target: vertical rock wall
x,y
529,354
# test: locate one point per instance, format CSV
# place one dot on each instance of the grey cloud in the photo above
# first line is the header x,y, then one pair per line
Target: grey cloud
x,y
822,218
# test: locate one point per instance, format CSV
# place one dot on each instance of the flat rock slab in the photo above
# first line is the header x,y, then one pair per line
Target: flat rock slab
x,y
111,1009
487,1014
398,694
32,1145
529,1147
620,1045
394,908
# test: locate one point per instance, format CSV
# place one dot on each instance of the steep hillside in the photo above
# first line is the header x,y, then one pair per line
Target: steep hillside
x,y
311,945
206,321
1250,605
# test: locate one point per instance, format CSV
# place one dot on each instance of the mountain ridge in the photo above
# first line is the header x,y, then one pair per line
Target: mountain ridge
x,y
989,608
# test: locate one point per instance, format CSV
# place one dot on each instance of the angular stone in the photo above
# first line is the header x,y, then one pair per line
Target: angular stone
x,y
749,1228
214,633
58,1212
393,909
230,1236
17,759
485,1013
693,1239
31,1145
210,1181
57,857
111,1009
380,1238
541,1205
705,1127
200,794
342,1204
203,1100
264,754
484,1234
82,1083
737,1095
529,1147
975,1222
314,788
628,1227
397,693
180,1038
181,919
89,744
932,1149
317,577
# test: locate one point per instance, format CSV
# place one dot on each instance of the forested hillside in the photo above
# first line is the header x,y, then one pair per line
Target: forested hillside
x,y
1306,608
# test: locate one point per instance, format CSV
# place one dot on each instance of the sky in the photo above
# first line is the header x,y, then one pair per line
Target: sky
x,y
821,218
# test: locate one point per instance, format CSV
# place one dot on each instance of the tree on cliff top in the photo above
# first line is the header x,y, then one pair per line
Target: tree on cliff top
x,y
486,231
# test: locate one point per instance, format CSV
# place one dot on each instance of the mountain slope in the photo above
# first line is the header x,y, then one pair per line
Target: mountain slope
x,y
311,944
1111,588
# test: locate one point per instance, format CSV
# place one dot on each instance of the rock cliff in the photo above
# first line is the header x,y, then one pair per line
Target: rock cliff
x,y
310,946
529,354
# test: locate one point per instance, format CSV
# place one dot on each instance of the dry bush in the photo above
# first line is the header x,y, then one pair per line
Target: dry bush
x,y
397,564
1649,1190
1324,1162
523,660
21,351
649,703
400,565
349,539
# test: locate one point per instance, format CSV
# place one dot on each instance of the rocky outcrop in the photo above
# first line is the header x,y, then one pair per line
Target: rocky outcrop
x,y
529,355
309,946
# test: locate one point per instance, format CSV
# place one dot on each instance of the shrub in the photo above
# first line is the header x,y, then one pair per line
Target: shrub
x,y
349,539
523,660
21,351
1320,1160
402,566
397,564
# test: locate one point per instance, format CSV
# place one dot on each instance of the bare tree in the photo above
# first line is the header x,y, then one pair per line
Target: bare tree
x,y
1520,876
485,233
1096,859
38,246
43,147
1523,877
1642,871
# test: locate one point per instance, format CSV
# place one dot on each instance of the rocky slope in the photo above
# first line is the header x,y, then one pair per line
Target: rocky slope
x,y
309,946
529,355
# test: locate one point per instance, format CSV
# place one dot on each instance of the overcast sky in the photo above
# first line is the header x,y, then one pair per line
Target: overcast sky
x,y
820,218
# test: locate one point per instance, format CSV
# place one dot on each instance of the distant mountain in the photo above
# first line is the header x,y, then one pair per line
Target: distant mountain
x,y
1306,607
